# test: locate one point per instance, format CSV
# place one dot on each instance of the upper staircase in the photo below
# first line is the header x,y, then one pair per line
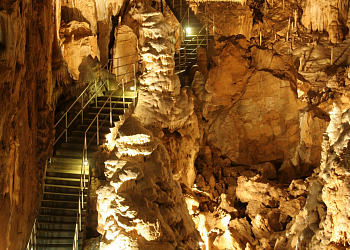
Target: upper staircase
x,y
60,224
192,34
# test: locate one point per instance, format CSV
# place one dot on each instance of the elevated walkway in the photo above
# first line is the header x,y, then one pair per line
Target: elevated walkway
x,y
192,35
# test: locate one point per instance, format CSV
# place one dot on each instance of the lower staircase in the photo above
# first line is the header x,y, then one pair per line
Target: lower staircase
x,y
56,224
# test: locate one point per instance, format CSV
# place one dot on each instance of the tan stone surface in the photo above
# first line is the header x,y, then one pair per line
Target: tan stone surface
x,y
124,54
26,123
141,206
161,104
77,43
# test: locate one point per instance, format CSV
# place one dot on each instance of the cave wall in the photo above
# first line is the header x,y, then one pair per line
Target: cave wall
x,y
26,126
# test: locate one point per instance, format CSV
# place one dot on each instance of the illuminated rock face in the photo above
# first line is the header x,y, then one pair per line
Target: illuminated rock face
x,y
334,187
97,14
141,206
162,106
250,103
77,42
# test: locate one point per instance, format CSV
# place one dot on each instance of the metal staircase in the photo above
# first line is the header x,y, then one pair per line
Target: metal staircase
x,y
60,224
192,34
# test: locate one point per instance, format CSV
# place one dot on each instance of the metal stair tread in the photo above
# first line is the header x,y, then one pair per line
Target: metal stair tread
x,y
58,193
62,186
59,215
60,208
54,238
62,178
55,230
66,170
56,222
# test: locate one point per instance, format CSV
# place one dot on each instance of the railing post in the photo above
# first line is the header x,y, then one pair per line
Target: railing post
x,y
123,94
206,24
213,24
185,58
82,109
34,236
98,134
118,70
66,127
179,60
126,68
79,211
133,100
110,111
95,94
108,83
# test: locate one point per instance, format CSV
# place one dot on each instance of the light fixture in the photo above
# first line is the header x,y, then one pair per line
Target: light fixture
x,y
85,163
188,30
131,88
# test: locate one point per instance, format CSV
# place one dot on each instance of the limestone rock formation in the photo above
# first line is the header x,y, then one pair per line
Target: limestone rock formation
x,y
256,117
140,206
125,53
161,104
330,16
26,124
77,42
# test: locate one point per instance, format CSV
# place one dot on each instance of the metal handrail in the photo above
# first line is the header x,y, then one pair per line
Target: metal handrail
x,y
32,238
86,145
81,111
180,25
184,49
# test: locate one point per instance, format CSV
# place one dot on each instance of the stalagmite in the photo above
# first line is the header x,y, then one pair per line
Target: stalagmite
x,y
260,39
332,55
288,23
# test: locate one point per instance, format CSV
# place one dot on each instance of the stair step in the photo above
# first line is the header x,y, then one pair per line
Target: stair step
x,y
59,208
55,238
62,178
65,169
57,241
93,121
61,247
60,198
79,145
127,94
58,193
116,99
56,225
61,186
69,152
67,160
101,101
102,127
74,139
59,216
89,134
